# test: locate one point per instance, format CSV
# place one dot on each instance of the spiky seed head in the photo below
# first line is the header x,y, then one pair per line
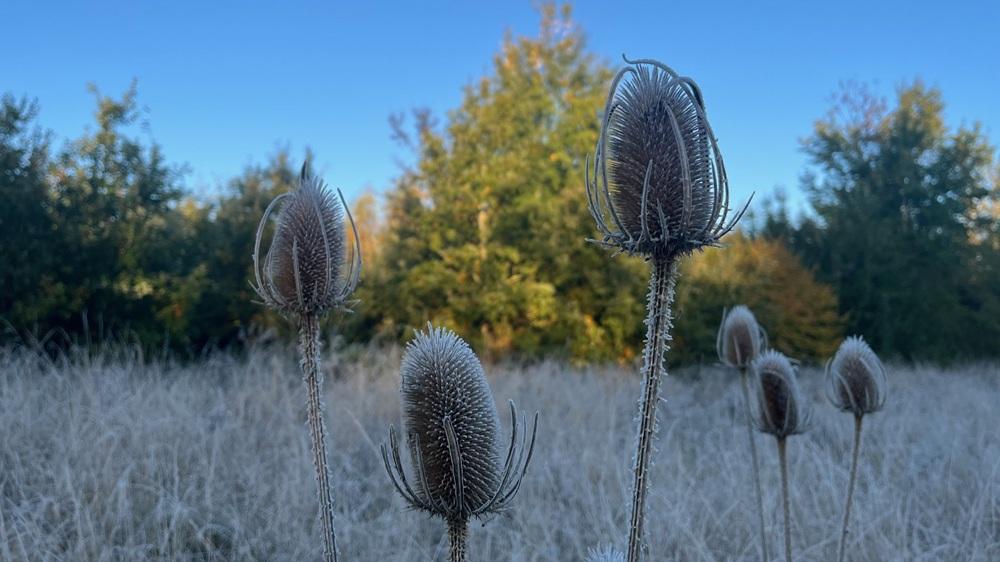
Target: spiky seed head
x,y
659,183
740,339
444,385
604,554
452,426
856,378
780,409
303,271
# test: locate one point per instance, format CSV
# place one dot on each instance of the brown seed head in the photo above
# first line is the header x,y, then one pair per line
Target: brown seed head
x,y
659,185
740,339
453,432
780,409
856,378
303,270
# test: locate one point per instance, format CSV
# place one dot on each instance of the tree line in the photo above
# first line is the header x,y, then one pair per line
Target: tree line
x,y
484,232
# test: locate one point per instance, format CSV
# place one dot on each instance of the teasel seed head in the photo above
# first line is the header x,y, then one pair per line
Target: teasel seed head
x,y
303,272
657,185
780,408
740,339
452,430
856,378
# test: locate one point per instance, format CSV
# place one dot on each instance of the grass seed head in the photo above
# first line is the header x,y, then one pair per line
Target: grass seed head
x,y
303,271
658,185
453,430
740,339
856,378
780,408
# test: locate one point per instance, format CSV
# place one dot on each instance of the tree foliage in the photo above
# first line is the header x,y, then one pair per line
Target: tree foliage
x,y
94,230
485,232
25,222
903,228
102,238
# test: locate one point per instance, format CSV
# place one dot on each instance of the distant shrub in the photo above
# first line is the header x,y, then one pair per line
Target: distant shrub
x,y
798,312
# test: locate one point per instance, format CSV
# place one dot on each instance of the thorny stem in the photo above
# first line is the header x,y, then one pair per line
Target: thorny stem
x,y
756,469
457,533
850,487
658,323
309,351
783,461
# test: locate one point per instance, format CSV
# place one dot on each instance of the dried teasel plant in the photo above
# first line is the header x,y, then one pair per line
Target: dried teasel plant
x,y
740,339
739,342
303,276
452,432
657,188
780,410
856,383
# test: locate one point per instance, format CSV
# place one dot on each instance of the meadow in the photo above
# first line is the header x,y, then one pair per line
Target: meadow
x,y
113,456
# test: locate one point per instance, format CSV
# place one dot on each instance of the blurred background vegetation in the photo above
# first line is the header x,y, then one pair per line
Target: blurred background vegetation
x,y
485,231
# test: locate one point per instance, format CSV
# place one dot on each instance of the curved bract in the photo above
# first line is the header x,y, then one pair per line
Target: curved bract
x,y
657,184
302,272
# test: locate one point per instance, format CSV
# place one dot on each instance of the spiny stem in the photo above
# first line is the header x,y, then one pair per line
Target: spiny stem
x,y
783,461
850,487
457,534
658,323
309,352
756,469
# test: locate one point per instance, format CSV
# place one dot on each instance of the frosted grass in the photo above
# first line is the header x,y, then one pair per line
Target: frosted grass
x,y
104,459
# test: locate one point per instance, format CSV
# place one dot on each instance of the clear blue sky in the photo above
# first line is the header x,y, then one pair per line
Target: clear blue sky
x,y
226,83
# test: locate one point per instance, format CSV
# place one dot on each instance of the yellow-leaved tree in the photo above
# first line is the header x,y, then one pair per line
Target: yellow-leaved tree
x,y
798,312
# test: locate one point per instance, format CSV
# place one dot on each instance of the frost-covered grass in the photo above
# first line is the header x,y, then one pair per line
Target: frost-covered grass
x,y
105,459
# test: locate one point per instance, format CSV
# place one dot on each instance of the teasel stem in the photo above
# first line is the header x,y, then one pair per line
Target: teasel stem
x,y
783,461
309,351
458,531
850,487
756,468
662,280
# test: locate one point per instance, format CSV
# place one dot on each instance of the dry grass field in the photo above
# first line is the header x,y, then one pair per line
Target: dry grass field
x,y
107,458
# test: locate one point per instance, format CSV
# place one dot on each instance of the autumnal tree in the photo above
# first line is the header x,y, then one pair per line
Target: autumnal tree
x,y
799,314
